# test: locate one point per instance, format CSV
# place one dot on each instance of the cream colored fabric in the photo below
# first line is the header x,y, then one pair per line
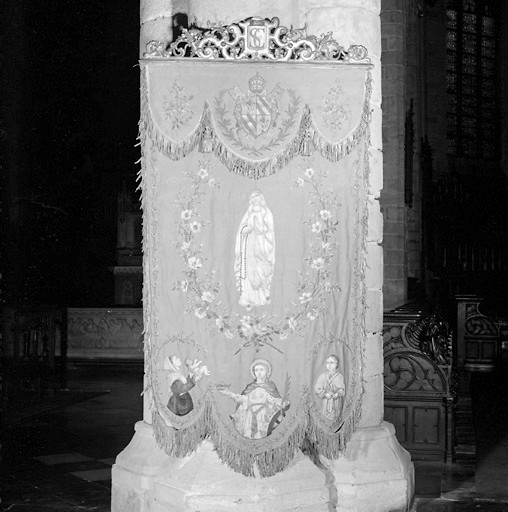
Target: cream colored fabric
x,y
254,182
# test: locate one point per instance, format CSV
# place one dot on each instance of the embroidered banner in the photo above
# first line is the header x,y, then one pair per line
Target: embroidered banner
x,y
254,192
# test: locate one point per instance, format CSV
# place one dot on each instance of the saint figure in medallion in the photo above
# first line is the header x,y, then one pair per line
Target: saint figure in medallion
x,y
255,253
260,407
180,400
330,389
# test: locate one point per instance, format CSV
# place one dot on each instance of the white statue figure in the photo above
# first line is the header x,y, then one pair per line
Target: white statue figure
x,y
255,253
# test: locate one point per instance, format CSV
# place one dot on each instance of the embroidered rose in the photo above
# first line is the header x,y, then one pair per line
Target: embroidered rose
x,y
195,226
312,314
292,323
309,172
251,328
186,214
305,297
194,263
325,214
207,296
200,312
318,263
300,182
246,327
316,227
203,173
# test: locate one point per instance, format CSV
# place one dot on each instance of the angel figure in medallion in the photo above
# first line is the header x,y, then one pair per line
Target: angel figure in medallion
x,y
260,407
255,253
180,401
330,388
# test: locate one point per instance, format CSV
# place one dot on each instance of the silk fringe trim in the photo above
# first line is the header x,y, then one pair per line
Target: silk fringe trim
x,y
179,442
206,134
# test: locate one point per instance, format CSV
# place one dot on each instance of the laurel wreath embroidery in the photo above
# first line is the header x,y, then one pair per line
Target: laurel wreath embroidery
x,y
313,285
228,129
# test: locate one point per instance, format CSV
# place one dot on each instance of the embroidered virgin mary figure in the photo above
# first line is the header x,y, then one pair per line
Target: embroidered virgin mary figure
x,y
260,406
255,253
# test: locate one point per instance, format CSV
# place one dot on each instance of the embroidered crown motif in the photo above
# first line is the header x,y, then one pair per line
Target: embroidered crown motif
x,y
257,84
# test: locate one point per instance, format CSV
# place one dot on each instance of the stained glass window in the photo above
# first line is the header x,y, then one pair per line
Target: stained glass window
x,y
471,79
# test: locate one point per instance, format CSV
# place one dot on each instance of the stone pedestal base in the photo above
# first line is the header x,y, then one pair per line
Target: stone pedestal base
x,y
375,475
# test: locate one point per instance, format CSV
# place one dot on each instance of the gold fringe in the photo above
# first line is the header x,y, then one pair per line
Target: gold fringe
x,y
250,457
206,137
267,456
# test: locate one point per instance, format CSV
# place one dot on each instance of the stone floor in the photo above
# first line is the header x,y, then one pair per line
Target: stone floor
x,y
61,460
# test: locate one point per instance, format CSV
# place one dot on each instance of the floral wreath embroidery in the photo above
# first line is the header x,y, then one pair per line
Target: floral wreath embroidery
x,y
313,284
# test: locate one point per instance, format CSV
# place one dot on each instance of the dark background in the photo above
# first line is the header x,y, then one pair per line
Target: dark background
x,y
70,107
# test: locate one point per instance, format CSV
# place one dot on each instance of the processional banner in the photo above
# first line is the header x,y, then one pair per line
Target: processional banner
x,y
254,192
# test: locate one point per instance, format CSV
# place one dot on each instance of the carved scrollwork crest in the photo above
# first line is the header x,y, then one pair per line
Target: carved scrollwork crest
x,y
256,39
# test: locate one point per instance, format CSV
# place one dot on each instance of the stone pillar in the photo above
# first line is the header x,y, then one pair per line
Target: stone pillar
x,y
394,112
156,23
503,77
375,473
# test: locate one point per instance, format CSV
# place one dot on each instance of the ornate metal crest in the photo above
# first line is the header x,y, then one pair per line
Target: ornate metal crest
x,y
258,39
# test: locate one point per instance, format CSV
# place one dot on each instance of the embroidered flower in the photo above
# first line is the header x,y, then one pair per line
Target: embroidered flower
x,y
185,246
318,263
207,296
186,214
300,182
203,173
325,214
309,172
305,297
200,312
246,327
219,322
251,328
316,227
195,226
228,334
292,323
194,263
211,182
312,314
284,335
184,286
325,245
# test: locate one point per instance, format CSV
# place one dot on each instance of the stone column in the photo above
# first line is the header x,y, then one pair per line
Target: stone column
x,y
394,111
375,473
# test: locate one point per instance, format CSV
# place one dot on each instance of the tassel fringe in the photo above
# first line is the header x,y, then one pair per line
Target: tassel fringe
x,y
206,137
270,455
